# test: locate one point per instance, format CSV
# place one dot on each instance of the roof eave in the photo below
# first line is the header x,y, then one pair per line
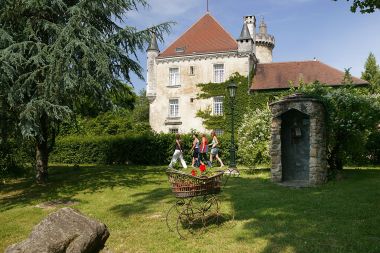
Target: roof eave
x,y
194,54
251,90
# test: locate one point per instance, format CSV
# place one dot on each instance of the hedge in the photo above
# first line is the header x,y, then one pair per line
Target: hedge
x,y
140,149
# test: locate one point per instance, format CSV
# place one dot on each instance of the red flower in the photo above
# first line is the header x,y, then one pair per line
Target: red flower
x,y
202,168
193,173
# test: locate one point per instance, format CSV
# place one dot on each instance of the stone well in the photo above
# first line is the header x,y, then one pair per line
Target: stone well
x,y
298,141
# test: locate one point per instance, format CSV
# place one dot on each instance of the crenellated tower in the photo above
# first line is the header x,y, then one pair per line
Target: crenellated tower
x,y
264,44
151,77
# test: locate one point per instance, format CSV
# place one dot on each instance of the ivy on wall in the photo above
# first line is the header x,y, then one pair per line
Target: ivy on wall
x,y
243,101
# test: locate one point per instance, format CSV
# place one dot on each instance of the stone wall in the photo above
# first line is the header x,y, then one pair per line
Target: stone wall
x,y
317,157
264,53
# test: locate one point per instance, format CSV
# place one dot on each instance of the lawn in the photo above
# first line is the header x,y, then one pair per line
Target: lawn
x,y
341,216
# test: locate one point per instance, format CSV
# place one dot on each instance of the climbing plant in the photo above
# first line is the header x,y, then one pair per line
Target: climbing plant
x,y
243,101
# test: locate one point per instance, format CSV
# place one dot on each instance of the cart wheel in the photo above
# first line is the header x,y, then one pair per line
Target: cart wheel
x,y
173,213
189,222
211,210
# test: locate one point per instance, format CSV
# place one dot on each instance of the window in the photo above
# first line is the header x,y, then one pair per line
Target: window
x,y
191,71
218,106
219,131
173,130
180,50
173,108
218,73
173,76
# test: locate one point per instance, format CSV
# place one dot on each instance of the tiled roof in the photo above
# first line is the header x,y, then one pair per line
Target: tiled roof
x,y
205,36
279,75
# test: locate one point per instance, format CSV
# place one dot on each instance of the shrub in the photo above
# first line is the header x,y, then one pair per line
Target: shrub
x,y
146,148
351,117
373,147
13,160
254,136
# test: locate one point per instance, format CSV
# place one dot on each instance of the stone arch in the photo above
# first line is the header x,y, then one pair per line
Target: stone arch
x,y
308,143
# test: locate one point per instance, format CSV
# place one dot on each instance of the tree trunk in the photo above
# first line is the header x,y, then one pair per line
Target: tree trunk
x,y
42,157
42,152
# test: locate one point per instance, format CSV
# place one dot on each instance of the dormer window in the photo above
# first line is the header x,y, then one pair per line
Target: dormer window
x,y
180,50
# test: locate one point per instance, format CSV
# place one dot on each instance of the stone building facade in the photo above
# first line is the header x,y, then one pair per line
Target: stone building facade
x,y
205,53
298,141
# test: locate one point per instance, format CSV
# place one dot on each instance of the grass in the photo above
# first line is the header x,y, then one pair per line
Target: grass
x,y
341,216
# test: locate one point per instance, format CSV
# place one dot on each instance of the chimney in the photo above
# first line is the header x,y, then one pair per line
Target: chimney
x,y
250,21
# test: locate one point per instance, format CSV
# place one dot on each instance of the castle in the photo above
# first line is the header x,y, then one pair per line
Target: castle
x,y
207,53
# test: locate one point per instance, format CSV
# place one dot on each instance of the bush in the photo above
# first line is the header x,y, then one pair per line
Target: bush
x,y
146,149
13,160
254,137
373,148
352,115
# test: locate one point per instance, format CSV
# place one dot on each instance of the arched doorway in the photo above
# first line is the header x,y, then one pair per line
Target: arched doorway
x,y
295,146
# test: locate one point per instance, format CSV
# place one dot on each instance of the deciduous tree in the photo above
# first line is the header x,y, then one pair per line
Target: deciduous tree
x,y
372,73
365,6
351,116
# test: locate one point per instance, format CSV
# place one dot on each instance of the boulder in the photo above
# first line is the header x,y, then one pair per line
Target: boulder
x,y
66,231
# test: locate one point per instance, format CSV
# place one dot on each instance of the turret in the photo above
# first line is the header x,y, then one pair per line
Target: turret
x,y
152,53
246,42
264,44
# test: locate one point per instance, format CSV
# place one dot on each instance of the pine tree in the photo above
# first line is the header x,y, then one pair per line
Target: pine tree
x,y
62,57
372,73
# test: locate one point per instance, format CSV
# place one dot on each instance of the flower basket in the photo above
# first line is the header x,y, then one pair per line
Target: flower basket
x,y
186,186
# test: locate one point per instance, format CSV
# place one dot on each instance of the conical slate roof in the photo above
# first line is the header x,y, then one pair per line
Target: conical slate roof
x,y
205,36
153,43
245,35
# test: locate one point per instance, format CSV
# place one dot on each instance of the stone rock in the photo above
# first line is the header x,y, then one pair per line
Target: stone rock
x,y
64,231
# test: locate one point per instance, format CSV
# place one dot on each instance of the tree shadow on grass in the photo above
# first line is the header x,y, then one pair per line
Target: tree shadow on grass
x,y
340,216
64,182
143,202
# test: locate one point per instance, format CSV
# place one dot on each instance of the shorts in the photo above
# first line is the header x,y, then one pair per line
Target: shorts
x,y
214,151
196,153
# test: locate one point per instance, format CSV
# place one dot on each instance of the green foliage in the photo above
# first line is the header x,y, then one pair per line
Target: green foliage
x,y
373,147
254,137
60,58
243,102
372,73
142,148
136,149
108,123
351,117
365,6
141,109
115,122
14,159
